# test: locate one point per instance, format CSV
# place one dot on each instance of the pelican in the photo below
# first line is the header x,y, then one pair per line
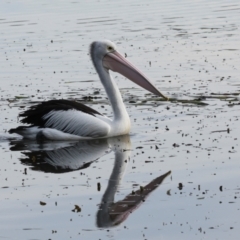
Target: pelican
x,y
71,120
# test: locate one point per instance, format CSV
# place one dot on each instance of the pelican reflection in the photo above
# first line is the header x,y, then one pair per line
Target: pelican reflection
x,y
60,157
112,213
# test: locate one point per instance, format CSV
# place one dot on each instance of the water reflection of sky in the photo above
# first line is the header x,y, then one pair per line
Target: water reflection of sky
x,y
187,48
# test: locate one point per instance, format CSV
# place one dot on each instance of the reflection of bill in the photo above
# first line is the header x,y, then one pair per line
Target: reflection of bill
x,y
60,157
111,214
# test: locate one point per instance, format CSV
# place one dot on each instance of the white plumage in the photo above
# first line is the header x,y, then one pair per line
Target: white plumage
x,y
91,126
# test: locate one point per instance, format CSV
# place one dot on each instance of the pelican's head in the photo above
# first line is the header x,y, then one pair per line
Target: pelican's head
x,y
111,59
99,49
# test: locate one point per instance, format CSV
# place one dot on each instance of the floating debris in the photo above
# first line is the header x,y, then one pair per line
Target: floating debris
x,y
180,186
42,203
98,186
76,209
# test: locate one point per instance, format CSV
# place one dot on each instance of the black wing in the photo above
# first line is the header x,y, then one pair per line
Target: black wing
x,y
34,115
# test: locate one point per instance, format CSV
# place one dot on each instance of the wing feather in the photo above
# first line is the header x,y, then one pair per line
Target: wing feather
x,y
77,123
67,116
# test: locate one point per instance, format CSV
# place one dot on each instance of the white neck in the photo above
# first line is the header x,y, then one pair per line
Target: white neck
x,y
121,121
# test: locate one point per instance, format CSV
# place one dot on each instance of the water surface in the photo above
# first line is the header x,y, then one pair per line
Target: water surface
x,y
190,50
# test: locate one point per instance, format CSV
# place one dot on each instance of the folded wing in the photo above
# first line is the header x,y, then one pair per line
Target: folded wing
x,y
67,116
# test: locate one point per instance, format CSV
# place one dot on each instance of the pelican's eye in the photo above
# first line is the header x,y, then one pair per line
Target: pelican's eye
x,y
110,48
